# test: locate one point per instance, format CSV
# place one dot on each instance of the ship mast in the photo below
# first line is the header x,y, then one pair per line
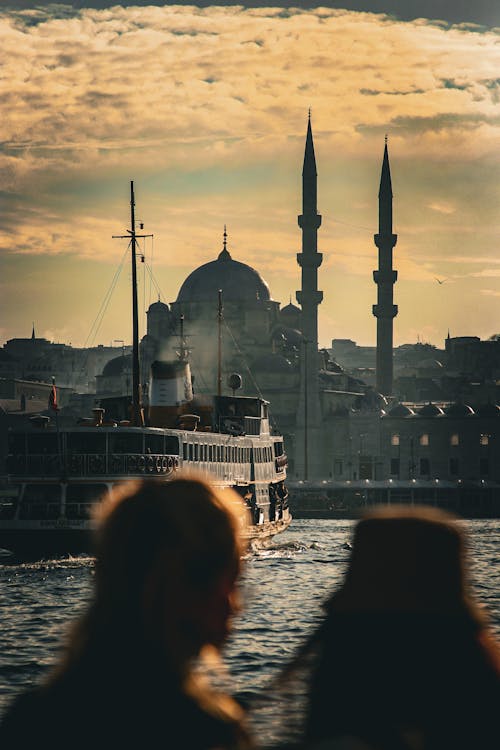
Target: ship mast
x,y
137,411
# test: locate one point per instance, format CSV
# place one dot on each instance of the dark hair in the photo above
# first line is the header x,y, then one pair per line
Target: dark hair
x,y
403,645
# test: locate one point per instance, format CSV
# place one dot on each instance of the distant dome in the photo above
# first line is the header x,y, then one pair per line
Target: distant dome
x,y
430,364
237,281
158,307
117,366
488,410
430,410
371,401
459,410
400,410
272,363
290,310
290,336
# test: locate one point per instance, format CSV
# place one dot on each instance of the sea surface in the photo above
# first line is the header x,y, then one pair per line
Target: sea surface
x,y
283,589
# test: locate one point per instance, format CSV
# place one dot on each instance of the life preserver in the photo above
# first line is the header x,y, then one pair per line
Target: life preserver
x,y
176,463
132,463
164,464
170,464
141,463
151,463
158,464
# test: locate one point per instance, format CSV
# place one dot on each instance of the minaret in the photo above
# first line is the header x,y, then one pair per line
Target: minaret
x,y
308,416
385,311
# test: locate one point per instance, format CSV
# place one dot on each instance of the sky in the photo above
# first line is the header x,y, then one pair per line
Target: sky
x,y
205,108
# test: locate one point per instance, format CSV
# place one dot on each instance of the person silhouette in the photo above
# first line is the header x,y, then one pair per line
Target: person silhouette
x,y
168,557
404,658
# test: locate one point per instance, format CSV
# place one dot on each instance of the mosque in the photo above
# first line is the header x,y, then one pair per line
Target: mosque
x,y
273,349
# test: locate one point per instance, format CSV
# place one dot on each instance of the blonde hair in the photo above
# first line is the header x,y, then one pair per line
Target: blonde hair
x,y
160,546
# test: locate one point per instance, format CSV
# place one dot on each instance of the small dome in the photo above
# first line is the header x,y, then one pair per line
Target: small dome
x,y
430,410
459,410
272,363
237,281
158,307
290,309
371,401
488,410
400,410
290,336
430,364
117,366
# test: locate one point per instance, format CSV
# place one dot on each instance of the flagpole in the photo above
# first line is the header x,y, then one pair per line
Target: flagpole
x,y
55,409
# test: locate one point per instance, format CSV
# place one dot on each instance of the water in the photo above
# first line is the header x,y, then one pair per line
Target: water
x,y
283,588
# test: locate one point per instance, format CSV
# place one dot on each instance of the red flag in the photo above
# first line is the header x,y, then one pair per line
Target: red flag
x,y
53,398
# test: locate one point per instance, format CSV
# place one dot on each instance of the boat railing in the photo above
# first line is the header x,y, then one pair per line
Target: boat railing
x,y
91,464
39,511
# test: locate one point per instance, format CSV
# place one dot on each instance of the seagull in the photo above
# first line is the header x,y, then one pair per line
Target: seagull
x,y
440,281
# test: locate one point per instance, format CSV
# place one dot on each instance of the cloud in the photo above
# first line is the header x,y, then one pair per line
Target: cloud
x,y
442,208
206,109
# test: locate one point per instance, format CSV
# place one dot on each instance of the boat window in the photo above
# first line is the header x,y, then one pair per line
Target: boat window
x,y
185,451
85,493
42,493
210,453
171,445
86,442
153,443
39,443
125,442
190,451
17,443
278,449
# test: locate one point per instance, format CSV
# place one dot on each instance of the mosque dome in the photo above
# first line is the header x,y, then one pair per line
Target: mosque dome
x,y
117,366
459,410
158,307
372,400
290,309
400,410
237,281
488,410
289,336
430,410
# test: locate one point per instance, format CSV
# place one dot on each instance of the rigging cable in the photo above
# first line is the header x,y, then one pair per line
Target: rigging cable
x,y
104,305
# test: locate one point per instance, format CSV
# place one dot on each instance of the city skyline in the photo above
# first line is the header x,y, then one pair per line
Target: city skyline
x,y
205,108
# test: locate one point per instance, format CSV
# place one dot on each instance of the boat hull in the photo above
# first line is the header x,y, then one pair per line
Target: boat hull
x,y
41,540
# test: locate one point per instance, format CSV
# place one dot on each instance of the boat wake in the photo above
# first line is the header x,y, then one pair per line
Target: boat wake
x,y
65,562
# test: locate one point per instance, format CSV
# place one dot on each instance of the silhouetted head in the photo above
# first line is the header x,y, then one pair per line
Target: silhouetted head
x,y
168,555
409,560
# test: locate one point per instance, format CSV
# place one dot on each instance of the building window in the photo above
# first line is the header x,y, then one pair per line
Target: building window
x,y
424,439
395,440
337,468
395,466
455,439
484,439
484,467
425,467
454,467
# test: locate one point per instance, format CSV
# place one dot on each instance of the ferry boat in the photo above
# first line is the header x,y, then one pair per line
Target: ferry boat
x,y
59,472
